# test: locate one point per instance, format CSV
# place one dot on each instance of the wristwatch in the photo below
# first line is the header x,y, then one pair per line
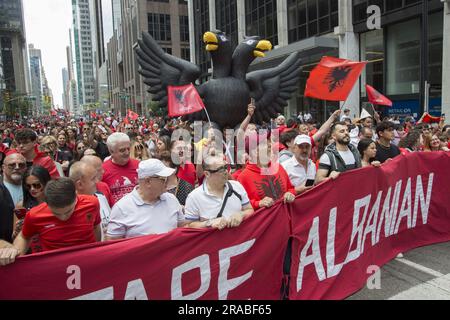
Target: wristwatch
x,y
208,223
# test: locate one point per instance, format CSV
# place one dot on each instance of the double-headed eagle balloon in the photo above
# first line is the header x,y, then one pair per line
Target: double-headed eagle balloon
x,y
227,94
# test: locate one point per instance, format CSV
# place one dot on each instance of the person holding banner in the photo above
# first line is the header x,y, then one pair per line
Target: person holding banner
x,y
149,208
339,156
65,220
218,202
385,149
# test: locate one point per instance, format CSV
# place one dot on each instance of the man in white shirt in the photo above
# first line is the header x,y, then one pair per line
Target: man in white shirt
x,y
300,167
148,209
217,203
14,167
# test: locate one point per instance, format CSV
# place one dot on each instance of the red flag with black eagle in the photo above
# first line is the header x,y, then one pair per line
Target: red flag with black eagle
x,y
183,100
377,98
333,79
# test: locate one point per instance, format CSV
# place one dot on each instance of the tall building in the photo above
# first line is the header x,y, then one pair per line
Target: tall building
x,y
66,88
167,21
36,78
72,90
14,70
405,55
116,14
83,46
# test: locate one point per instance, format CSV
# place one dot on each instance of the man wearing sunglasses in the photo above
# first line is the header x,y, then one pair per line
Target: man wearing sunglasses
x,y
27,146
148,209
65,220
217,203
14,168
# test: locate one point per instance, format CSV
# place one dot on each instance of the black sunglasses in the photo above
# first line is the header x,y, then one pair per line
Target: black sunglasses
x,y
220,169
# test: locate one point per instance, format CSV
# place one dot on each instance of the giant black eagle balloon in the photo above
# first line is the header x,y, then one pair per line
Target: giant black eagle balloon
x,y
227,94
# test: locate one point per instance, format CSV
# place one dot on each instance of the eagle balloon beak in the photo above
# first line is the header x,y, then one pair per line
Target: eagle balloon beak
x,y
263,46
211,41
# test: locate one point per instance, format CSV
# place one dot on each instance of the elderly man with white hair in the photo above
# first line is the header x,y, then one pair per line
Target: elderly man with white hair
x,y
149,209
120,171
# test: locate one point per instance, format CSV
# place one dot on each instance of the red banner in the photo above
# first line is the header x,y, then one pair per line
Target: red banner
x,y
341,231
183,100
377,98
238,263
333,79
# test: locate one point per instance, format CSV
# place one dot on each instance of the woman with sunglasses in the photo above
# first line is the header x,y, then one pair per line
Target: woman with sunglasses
x,y
80,147
34,182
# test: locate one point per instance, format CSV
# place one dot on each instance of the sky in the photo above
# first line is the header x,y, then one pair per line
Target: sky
x,y
47,24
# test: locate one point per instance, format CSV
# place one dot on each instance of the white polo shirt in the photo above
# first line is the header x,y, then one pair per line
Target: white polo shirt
x,y
132,217
297,173
202,205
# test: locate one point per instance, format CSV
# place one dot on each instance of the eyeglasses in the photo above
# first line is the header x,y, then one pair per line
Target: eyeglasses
x,y
220,169
36,186
161,179
81,148
12,166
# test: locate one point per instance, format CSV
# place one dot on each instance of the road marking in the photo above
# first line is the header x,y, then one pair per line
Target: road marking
x,y
420,267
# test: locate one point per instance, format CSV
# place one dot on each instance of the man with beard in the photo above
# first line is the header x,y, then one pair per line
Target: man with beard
x,y
339,156
300,167
14,168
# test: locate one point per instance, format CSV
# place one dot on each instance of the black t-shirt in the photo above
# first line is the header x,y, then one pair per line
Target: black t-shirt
x,y
6,214
384,153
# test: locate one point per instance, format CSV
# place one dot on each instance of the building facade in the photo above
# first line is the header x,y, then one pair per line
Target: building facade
x,y
84,56
36,71
167,21
14,69
405,52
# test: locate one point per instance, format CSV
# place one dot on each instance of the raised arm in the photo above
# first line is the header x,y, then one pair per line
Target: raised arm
x,y
326,126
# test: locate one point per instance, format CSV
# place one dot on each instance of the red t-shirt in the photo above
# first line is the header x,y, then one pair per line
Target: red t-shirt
x,y
120,179
104,189
54,233
187,173
259,186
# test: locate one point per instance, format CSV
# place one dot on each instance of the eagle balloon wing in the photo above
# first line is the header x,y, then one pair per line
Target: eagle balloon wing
x,y
160,69
272,88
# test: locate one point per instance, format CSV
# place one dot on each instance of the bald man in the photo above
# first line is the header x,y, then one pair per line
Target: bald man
x,y
14,167
102,187
85,177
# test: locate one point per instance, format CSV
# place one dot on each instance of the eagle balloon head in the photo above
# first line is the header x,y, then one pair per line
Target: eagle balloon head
x,y
213,39
260,47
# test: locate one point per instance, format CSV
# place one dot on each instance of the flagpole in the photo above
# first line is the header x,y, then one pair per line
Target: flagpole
x,y
207,115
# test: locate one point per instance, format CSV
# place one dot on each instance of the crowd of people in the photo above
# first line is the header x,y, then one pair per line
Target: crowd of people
x,y
66,182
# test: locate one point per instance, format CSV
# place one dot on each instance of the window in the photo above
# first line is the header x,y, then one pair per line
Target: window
x,y
307,18
186,54
201,25
372,51
261,19
159,26
226,15
184,28
403,58
435,46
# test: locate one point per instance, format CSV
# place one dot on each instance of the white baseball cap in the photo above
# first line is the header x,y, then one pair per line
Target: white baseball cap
x,y
152,168
302,138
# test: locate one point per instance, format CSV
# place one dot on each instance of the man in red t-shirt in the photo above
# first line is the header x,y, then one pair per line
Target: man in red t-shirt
x,y
264,180
65,220
120,171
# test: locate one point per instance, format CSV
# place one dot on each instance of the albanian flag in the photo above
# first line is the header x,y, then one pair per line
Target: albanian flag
x,y
377,98
183,100
132,115
427,118
333,79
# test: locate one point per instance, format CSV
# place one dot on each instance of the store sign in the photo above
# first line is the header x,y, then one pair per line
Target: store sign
x,y
405,108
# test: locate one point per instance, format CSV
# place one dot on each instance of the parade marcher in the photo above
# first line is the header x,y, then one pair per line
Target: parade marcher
x,y
218,202
148,209
14,167
64,220
368,150
120,171
385,149
26,145
339,156
300,167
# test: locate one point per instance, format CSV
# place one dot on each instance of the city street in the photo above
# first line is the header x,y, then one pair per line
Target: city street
x,y
422,274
